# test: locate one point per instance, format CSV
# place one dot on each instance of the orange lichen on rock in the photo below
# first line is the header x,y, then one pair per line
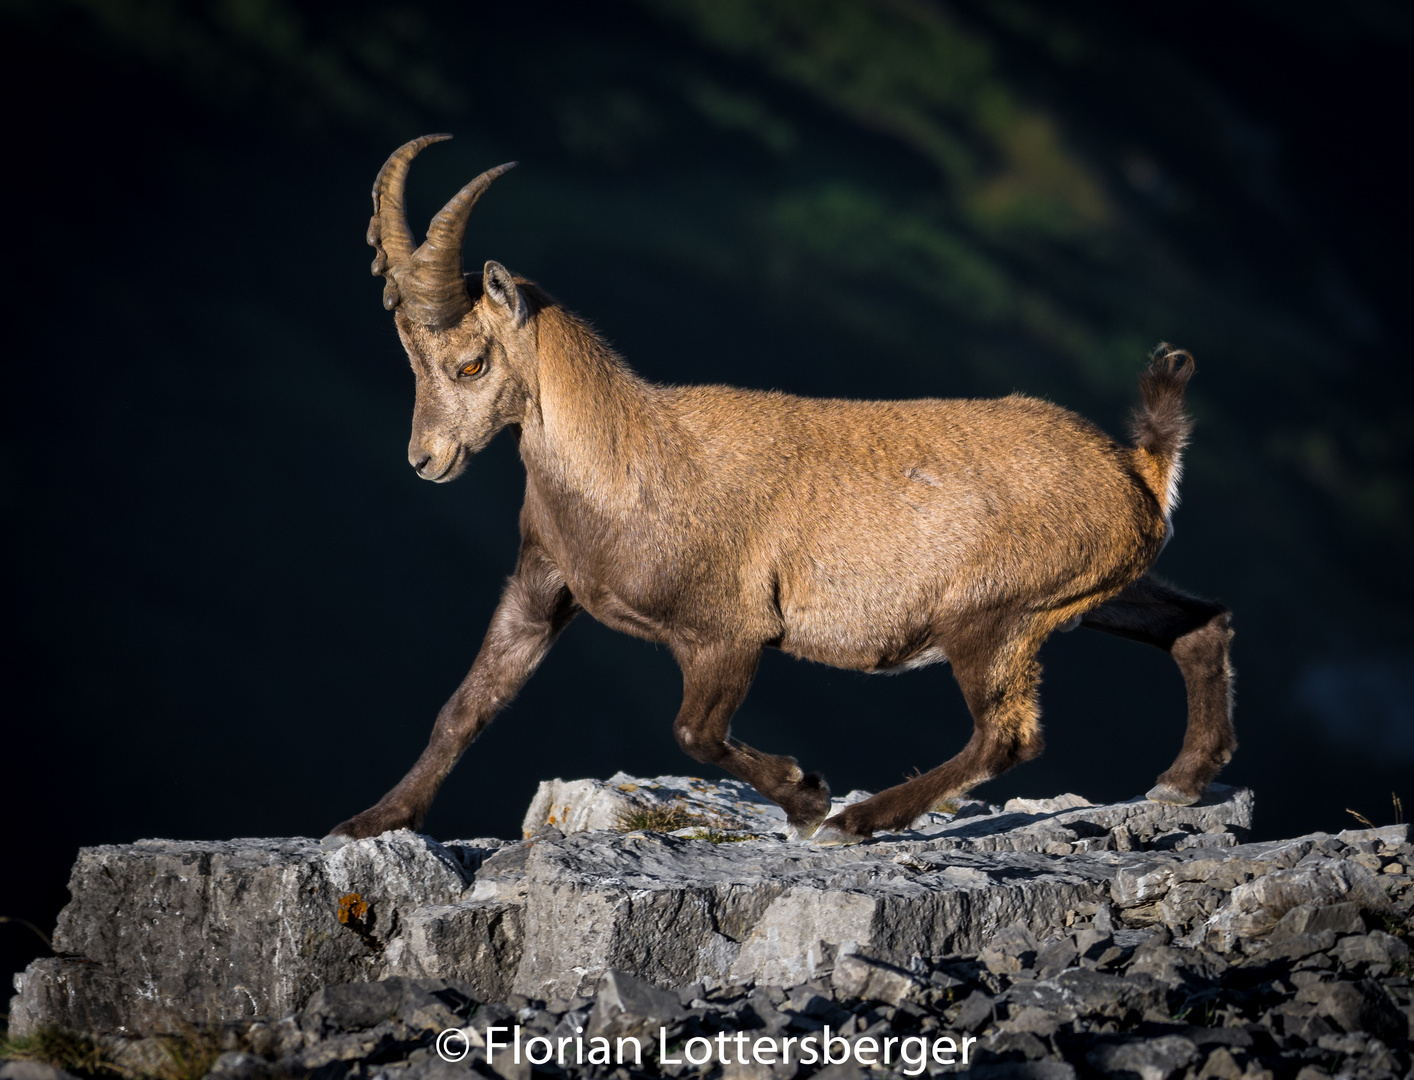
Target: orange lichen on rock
x,y
352,906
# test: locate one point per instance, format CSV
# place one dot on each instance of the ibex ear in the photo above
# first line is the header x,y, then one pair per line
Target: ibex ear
x,y
498,284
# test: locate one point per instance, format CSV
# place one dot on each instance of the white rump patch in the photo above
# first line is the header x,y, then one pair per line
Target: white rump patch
x,y
1171,488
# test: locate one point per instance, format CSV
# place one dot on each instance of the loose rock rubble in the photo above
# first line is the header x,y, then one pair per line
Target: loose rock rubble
x,y
1152,951
1096,999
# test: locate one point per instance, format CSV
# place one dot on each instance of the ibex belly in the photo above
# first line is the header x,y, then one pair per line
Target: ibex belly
x,y
892,578
870,614
856,646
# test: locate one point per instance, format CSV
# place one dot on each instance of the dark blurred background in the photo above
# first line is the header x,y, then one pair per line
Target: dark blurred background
x,y
233,609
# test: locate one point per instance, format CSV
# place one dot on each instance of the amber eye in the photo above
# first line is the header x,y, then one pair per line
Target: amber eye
x,y
473,368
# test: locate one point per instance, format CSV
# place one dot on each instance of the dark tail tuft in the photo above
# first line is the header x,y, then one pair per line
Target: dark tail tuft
x,y
1160,426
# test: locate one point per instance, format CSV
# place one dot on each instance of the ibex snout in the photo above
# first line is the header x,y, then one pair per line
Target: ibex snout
x,y
437,463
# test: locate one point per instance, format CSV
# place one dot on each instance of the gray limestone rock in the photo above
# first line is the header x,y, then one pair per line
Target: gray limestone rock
x,y
1150,1059
1220,1065
1022,1070
862,977
1376,947
758,911
1391,836
238,1065
1357,1007
1056,956
574,806
1010,950
578,806
476,941
1311,918
1127,1022
1258,905
162,933
975,1013
1043,825
1190,903
415,1004
629,1008
1031,1020
1295,947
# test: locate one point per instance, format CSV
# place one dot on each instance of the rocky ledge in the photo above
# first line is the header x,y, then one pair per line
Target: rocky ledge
x,y
1055,934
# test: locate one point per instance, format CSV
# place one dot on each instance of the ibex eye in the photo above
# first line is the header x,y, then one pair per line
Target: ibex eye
x,y
473,368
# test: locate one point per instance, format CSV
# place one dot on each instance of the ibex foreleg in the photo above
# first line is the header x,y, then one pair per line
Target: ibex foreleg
x,y
533,610
715,681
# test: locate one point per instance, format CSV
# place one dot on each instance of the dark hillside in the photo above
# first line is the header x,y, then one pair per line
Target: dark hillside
x,y
234,611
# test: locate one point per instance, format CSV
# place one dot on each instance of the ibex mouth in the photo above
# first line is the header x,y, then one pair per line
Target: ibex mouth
x,y
450,471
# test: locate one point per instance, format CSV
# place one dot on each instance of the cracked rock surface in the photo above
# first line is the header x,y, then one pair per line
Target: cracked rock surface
x,y
1065,938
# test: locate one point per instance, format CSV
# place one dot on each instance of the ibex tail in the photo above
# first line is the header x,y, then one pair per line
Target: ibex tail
x,y
1160,426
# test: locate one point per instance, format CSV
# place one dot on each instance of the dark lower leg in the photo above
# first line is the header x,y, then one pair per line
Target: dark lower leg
x,y
533,610
715,682
1210,741
1006,732
1197,634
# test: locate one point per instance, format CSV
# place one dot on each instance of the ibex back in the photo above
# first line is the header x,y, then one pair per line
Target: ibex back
x,y
872,536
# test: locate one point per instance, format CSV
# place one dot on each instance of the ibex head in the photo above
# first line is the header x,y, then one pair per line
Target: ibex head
x,y
468,342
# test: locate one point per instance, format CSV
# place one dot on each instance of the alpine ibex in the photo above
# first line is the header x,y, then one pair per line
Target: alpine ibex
x,y
870,535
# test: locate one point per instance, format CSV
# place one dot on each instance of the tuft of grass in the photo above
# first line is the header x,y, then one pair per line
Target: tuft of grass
x,y
675,816
49,1045
26,923
659,818
1398,804
187,1054
1200,1010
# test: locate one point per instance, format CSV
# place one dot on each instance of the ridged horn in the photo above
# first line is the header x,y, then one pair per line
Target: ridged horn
x,y
388,231
426,284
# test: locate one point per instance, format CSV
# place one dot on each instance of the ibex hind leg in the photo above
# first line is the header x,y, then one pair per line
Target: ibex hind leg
x,y
1198,635
715,681
1001,693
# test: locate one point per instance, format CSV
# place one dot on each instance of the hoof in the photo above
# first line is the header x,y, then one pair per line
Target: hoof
x,y
829,836
1162,793
798,834
834,834
334,843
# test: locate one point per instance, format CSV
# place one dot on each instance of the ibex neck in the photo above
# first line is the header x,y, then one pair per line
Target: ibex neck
x,y
598,430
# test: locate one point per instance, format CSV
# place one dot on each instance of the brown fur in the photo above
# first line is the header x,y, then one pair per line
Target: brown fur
x,y
869,535
1160,428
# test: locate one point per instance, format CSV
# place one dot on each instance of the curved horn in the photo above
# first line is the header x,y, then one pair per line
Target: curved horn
x,y
441,253
427,283
388,231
